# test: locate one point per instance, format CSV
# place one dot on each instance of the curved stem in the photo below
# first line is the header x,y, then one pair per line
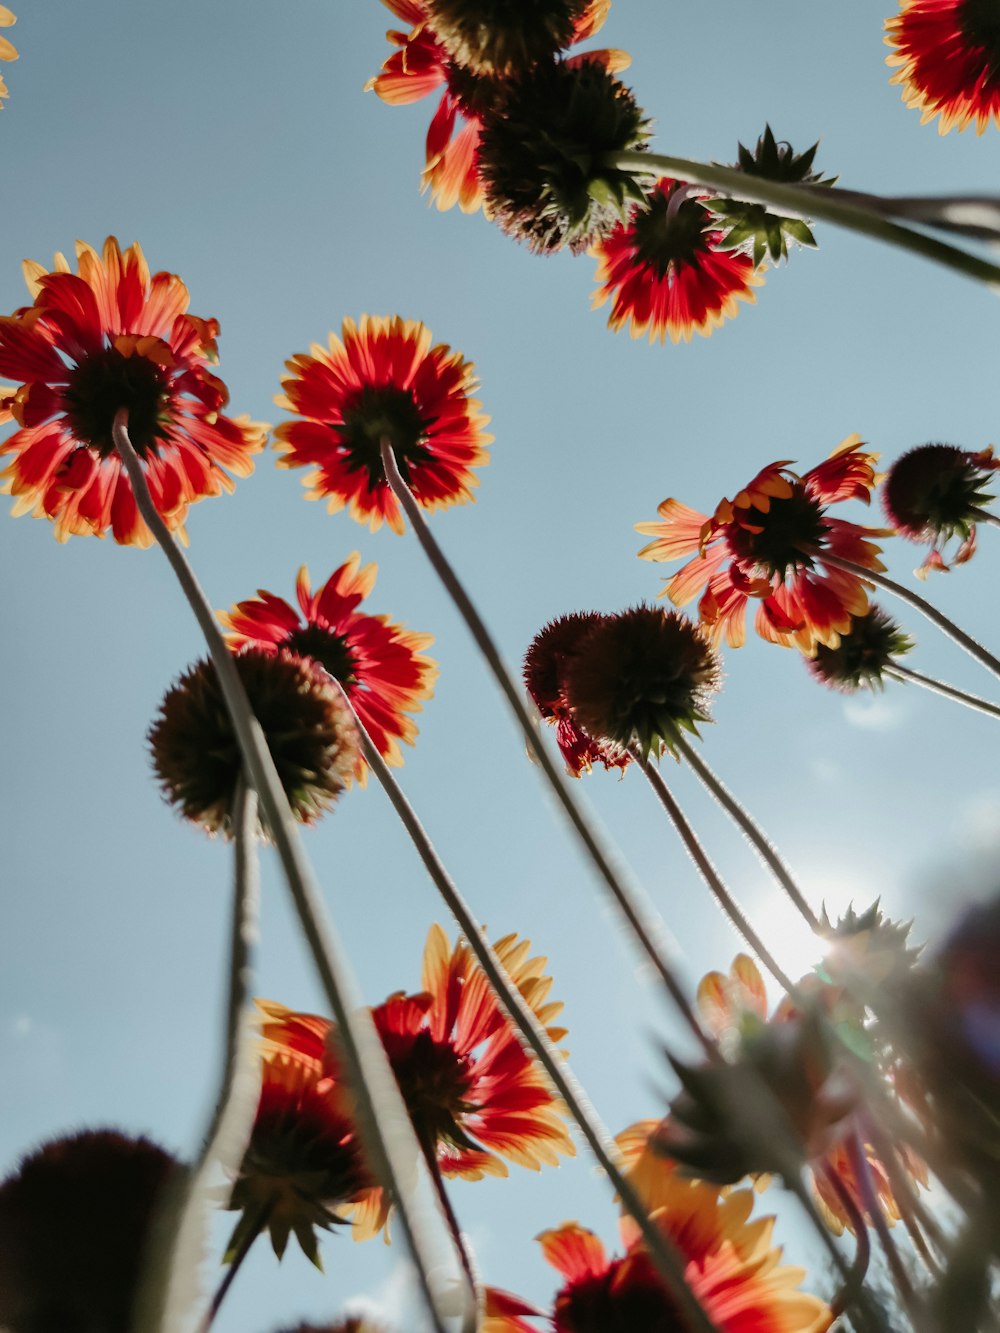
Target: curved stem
x,y
386,1131
913,599
810,202
236,1263
708,872
904,674
984,516
457,1235
600,1142
863,1175
866,1319
741,816
863,1252
641,927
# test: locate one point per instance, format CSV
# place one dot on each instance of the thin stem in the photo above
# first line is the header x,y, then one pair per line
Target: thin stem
x,y
809,202
741,816
708,872
869,1195
457,1235
600,1142
863,1313
913,599
642,928
984,516
863,1251
904,674
236,1263
386,1131
918,1220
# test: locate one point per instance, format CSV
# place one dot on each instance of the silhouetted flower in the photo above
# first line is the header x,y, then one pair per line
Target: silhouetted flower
x,y
858,662
934,493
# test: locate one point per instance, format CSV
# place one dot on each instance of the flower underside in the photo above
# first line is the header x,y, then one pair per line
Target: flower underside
x,y
377,413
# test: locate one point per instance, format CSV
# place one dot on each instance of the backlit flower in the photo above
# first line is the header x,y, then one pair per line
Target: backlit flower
x,y
107,338
474,1095
384,381
666,269
308,728
769,543
934,494
859,661
546,660
504,36
74,1221
730,1263
379,663
8,51
946,54
422,66
304,1161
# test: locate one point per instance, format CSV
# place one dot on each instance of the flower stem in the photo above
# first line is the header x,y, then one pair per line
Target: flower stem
x,y
236,1263
642,928
457,1235
863,1175
904,674
809,202
385,1127
862,1313
740,815
708,872
600,1142
863,1252
913,599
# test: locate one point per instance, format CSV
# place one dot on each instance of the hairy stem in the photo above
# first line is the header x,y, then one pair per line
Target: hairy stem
x,y
905,673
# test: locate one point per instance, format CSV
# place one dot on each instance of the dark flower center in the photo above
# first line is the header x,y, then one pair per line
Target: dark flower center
x,y
104,383
979,22
617,1302
663,238
330,650
434,1080
378,413
789,535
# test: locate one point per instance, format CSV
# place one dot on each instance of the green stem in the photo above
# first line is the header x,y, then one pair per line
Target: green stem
x,y
708,872
920,604
809,202
624,897
741,816
904,674
386,1131
600,1142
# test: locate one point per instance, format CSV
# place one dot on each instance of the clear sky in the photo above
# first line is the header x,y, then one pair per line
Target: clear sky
x,y
236,144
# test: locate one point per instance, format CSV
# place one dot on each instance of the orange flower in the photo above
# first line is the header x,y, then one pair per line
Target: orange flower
x,y
114,337
474,1095
730,1263
666,269
384,381
379,663
421,66
947,58
8,51
769,544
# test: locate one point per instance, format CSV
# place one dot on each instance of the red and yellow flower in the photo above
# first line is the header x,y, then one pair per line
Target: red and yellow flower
x,y
730,1263
379,663
384,381
474,1095
666,268
8,51
109,337
946,54
770,543
422,66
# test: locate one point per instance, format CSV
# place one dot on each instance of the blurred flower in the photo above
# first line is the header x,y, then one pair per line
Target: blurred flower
x,y
730,1263
642,677
933,493
350,1325
308,729
544,147
858,662
109,338
422,65
545,662
769,544
946,54
473,1093
8,51
667,270
303,1161
384,381
379,663
74,1220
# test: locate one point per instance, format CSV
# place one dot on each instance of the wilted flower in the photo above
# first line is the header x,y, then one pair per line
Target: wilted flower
x,y
111,338
873,642
946,54
384,381
308,729
935,493
769,543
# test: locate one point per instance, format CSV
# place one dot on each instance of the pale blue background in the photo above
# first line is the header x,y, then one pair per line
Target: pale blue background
x,y
236,144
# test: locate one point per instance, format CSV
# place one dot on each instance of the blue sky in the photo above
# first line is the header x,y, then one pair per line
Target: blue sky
x,y
236,145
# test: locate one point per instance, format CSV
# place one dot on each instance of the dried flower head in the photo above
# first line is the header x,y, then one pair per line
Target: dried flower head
x,y
544,152
933,493
642,677
308,728
858,662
